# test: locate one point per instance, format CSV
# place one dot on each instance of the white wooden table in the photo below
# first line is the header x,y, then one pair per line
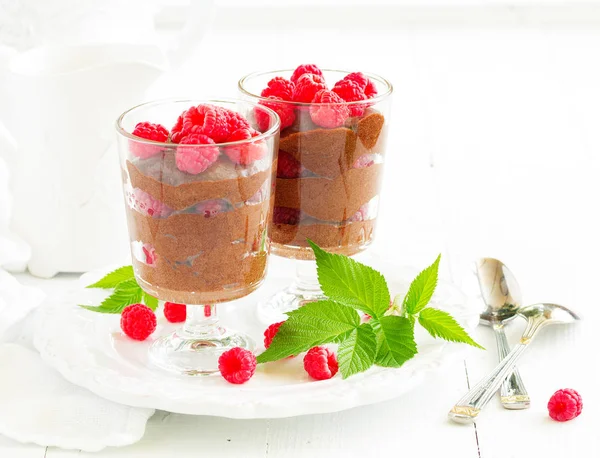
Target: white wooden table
x,y
505,108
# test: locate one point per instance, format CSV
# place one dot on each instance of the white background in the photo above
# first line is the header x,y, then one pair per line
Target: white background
x,y
493,150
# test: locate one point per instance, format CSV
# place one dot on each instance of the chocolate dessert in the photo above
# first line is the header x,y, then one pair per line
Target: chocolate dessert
x,y
198,235
198,209
330,159
333,200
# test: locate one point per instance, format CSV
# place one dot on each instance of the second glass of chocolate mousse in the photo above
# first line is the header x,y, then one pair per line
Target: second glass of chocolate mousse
x,y
330,164
199,199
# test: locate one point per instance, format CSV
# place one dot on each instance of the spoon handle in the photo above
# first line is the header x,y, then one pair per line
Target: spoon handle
x,y
468,407
513,394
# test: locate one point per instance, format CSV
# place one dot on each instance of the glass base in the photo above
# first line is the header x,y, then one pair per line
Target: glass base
x,y
304,289
196,347
187,355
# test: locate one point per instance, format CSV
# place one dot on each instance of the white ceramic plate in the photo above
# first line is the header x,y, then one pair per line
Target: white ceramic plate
x,y
89,350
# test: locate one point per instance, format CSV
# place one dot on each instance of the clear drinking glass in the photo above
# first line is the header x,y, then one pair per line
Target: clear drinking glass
x,y
328,181
197,239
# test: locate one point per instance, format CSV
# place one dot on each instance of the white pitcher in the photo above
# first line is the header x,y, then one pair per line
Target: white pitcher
x,y
60,106
59,103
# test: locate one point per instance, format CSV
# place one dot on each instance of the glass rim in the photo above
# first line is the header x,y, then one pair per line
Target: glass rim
x,y
194,102
377,98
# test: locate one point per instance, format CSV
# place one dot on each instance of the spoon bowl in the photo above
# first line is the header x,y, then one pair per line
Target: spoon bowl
x,y
500,291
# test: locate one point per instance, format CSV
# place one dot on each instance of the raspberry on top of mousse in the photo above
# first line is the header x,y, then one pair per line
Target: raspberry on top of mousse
x,y
329,108
208,125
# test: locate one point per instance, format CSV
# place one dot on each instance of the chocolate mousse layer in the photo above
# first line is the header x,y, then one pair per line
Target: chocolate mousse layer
x,y
199,238
328,203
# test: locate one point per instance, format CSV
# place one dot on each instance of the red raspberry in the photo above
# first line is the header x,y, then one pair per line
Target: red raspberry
x,y
303,69
175,313
350,91
147,205
564,405
270,333
177,129
235,120
149,131
210,208
286,215
237,365
307,87
320,363
245,153
195,160
329,109
138,321
277,104
370,90
366,160
365,83
279,87
359,78
288,166
203,119
149,254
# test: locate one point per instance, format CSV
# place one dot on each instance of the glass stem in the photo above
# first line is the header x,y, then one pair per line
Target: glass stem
x,y
306,277
202,321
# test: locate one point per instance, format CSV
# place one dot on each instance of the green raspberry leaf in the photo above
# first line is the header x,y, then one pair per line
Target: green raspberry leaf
x,y
396,340
441,324
312,324
351,283
112,279
126,293
150,301
421,289
356,353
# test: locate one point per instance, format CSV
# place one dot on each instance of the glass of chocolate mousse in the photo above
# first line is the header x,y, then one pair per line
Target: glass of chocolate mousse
x,y
330,164
198,201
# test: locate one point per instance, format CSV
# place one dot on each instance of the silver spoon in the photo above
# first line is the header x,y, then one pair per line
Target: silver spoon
x,y
502,295
538,316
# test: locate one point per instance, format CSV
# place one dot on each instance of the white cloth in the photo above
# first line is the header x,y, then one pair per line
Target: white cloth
x,y
37,405
16,301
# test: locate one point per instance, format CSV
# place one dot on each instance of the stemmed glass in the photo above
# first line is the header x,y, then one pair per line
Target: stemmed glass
x,y
328,182
197,239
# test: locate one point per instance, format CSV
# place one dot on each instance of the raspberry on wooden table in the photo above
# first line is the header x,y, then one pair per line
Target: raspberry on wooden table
x,y
138,321
237,365
320,363
564,405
